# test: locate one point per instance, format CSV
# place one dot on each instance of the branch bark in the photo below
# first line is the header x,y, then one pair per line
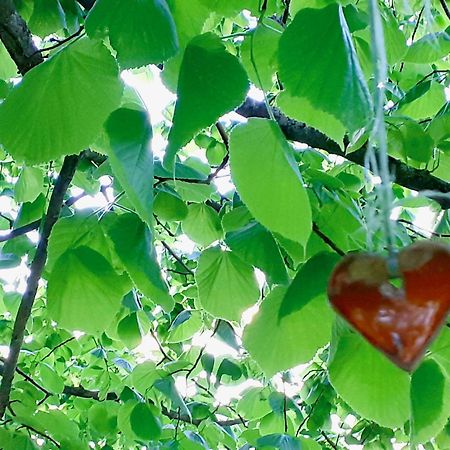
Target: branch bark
x,y
36,269
404,175
16,37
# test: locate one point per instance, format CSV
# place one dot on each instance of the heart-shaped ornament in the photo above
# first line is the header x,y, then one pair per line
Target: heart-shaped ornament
x,y
399,321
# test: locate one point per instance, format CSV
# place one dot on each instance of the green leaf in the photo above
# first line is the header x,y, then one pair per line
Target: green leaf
x,y
102,417
131,159
129,331
429,48
202,224
226,285
425,105
305,54
84,292
417,144
440,350
204,94
47,18
7,67
168,388
309,282
365,379
271,189
254,404
144,423
256,246
141,31
394,38
62,103
29,185
278,345
134,246
185,325
300,108
262,46
430,401
143,376
168,206
280,441
75,231
50,379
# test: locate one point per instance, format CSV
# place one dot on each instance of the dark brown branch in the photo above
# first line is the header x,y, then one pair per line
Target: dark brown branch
x,y
285,17
37,223
40,433
404,175
329,441
183,418
221,166
445,8
81,392
36,269
17,38
177,258
327,240
61,344
94,395
62,41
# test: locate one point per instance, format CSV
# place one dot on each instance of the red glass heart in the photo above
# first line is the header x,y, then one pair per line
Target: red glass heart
x,y
399,321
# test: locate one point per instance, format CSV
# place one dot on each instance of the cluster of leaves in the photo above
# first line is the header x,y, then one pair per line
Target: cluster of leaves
x,y
119,348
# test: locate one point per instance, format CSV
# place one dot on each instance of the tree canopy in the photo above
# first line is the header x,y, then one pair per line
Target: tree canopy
x,y
164,282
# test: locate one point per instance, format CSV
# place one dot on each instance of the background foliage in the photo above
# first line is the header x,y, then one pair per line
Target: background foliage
x,y
181,314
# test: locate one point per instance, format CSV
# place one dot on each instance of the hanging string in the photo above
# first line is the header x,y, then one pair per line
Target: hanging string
x,y
262,9
378,138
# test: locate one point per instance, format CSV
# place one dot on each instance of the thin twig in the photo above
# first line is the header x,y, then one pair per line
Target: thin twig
x,y
225,139
327,240
36,269
37,223
62,41
202,350
53,350
161,349
40,433
329,441
413,227
163,226
166,246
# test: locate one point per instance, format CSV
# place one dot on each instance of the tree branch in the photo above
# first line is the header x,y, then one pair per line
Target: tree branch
x,y
404,175
17,39
445,8
36,269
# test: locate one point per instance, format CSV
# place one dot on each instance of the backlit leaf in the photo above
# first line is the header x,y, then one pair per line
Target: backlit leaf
x,y
84,291
204,92
131,158
279,345
133,244
227,286
141,31
272,189
305,55
359,373
66,99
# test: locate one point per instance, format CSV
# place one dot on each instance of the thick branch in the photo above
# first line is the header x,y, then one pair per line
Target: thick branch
x,y
16,37
404,175
36,269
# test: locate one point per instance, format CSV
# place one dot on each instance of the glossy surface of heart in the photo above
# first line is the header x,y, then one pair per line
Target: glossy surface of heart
x,y
400,320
